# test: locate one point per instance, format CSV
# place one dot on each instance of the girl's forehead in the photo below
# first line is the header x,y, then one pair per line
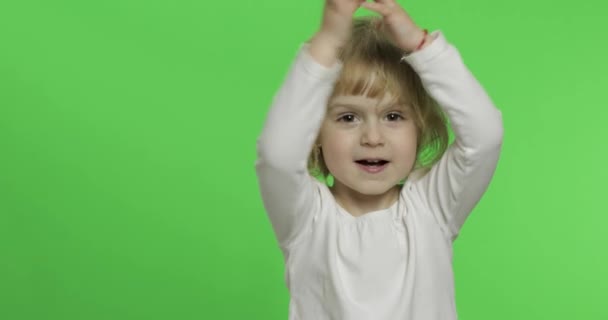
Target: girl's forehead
x,y
362,101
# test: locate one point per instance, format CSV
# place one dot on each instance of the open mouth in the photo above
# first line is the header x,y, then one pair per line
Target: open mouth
x,y
372,163
372,166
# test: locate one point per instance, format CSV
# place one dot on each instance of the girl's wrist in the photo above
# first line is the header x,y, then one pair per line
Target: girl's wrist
x,y
324,49
424,40
329,39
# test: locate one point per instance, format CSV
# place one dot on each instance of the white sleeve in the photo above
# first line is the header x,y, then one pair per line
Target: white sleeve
x,y
456,183
288,191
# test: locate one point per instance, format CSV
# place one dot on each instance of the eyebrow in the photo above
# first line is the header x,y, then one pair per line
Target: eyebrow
x,y
358,107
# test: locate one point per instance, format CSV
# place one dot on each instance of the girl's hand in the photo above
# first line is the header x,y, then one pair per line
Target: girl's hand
x,y
338,19
397,23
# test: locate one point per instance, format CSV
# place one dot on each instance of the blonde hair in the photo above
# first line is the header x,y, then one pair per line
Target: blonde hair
x,y
370,54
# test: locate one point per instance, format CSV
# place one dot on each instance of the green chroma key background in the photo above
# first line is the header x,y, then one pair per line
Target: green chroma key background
x,y
127,138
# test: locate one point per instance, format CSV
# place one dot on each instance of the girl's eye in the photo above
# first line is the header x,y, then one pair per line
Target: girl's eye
x,y
349,116
396,116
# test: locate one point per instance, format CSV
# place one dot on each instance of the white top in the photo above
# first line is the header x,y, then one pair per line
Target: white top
x,y
388,264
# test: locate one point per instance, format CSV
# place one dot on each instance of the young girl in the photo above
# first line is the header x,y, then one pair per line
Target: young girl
x,y
365,102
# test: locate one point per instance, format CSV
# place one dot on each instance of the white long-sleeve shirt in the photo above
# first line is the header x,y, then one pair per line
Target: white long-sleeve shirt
x,y
388,264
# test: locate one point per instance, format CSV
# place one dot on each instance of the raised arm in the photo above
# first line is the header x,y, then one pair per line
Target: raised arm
x,y
456,183
292,124
290,194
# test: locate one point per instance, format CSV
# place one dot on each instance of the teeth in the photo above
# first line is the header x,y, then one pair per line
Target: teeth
x,y
372,162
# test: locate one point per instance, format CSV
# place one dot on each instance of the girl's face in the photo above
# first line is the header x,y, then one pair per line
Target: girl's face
x,y
358,127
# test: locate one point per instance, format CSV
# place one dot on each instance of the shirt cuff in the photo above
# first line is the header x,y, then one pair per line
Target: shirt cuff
x,y
426,54
314,68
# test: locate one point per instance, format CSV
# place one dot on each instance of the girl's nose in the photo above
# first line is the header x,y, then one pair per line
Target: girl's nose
x,y
371,135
